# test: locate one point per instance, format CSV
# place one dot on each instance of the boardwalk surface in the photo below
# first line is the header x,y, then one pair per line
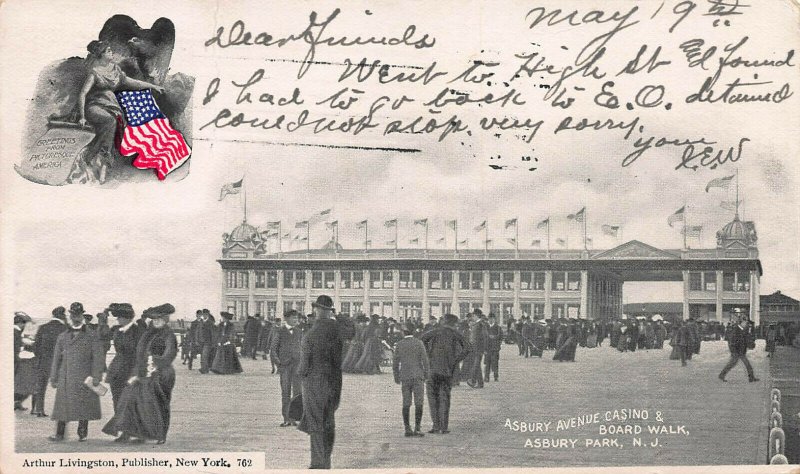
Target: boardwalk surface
x,y
785,369
712,423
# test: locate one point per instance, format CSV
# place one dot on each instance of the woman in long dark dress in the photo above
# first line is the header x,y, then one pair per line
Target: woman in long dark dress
x,y
97,105
226,361
370,360
144,407
355,346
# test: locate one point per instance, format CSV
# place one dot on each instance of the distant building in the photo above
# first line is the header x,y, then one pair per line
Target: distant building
x,y
404,283
669,311
779,308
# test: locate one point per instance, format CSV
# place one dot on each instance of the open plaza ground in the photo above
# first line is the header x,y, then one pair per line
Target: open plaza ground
x,y
704,421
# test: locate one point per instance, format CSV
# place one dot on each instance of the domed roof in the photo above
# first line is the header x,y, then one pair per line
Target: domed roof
x,y
243,232
734,230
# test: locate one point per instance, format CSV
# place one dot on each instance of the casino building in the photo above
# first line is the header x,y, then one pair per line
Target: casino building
x,y
407,283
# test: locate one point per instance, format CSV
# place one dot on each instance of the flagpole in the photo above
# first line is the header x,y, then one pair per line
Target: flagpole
x,y
366,235
516,236
548,235
455,229
396,225
737,192
279,237
685,218
585,218
244,195
426,235
308,236
486,236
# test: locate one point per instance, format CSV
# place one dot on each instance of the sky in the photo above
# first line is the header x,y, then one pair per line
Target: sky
x,y
150,243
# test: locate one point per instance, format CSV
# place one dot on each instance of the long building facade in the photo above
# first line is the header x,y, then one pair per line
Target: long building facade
x,y
407,283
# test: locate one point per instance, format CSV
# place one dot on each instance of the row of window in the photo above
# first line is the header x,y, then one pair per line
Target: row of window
x,y
731,281
562,281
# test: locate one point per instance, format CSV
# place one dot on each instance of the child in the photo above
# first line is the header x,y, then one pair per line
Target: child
x,y
411,369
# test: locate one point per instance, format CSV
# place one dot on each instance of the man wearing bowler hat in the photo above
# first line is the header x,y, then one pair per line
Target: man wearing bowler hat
x,y
78,355
43,347
320,370
285,353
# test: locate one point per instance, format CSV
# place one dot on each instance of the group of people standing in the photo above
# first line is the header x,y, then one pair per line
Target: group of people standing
x,y
70,354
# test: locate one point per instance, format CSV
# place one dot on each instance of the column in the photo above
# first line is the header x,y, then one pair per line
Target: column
x,y
365,280
485,301
426,307
395,295
456,284
251,297
224,293
337,282
719,295
307,308
548,303
279,298
685,295
755,298
517,310
584,310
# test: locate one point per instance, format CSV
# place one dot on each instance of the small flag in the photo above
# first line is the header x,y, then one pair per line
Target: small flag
x,y
693,230
440,240
331,225
729,205
679,216
512,241
561,242
287,235
301,225
723,183
464,242
390,242
536,243
390,223
273,224
588,241
149,135
578,216
421,221
611,230
362,224
511,222
414,241
480,226
230,188
325,212
488,241
451,224
543,224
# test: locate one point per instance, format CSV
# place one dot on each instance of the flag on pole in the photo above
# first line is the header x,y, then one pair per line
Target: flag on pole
x,y
480,226
589,241
440,240
319,216
729,205
463,242
679,216
362,224
149,135
451,224
331,225
325,212
287,235
511,222
611,230
301,225
578,216
512,241
390,242
414,240
230,188
543,224
723,183
421,221
273,224
390,223
693,230
561,242
536,243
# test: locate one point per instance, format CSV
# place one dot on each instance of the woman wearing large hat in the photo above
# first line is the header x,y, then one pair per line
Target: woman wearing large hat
x,y
226,361
144,407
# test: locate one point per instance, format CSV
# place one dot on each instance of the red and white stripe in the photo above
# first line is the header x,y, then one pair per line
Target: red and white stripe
x,y
158,145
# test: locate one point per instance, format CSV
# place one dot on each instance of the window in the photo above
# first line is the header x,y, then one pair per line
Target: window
x,y
261,307
495,281
288,279
710,281
272,279
538,310
231,279
508,281
447,280
507,310
435,311
330,280
416,279
525,308
345,307
375,280
358,279
404,279
559,281
300,306
574,281
728,281
494,309
374,308
743,281
261,279
241,279
287,306
525,281
573,310
463,309
387,279
316,279
410,310
434,280
300,279
463,280
559,311
344,281
387,309
538,281
695,281
358,308
272,309
476,282
447,308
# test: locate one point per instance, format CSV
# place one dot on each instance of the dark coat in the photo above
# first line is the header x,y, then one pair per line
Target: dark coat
x,y
77,355
45,343
264,336
410,360
446,348
251,329
285,348
205,333
122,366
738,340
320,370
495,342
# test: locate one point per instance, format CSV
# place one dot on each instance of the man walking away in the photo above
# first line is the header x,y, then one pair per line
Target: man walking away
x,y
411,368
494,344
738,344
446,348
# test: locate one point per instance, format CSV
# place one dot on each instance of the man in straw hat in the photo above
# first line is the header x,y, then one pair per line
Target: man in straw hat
x,y
320,370
78,355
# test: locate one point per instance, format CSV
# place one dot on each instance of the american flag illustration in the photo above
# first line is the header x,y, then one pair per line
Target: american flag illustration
x,y
149,134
